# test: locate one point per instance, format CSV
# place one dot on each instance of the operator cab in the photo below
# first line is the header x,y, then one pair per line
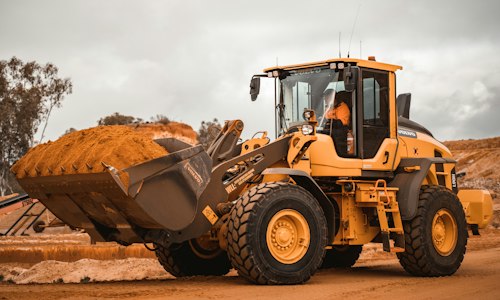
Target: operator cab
x,y
322,90
361,87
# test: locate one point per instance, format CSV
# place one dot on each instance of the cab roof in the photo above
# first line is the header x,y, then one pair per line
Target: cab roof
x,y
359,62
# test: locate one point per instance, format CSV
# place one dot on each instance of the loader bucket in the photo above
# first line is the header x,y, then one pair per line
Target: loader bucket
x,y
162,195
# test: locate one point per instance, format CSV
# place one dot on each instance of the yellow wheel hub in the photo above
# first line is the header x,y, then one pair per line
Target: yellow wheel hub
x,y
444,232
288,236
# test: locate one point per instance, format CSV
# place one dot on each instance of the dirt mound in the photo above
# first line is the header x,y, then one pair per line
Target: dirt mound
x,y
490,143
34,253
177,130
86,270
478,158
478,163
85,151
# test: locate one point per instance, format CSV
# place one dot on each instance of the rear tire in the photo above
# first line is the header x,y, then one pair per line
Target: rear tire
x,y
341,257
188,259
436,238
276,234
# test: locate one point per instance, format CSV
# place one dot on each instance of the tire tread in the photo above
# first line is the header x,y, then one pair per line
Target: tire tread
x,y
416,259
239,250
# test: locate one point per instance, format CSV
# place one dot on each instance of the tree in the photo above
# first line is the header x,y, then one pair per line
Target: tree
x,y
68,131
28,94
208,131
162,119
118,119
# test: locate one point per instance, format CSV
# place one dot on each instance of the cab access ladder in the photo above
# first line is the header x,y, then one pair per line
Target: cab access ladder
x,y
378,195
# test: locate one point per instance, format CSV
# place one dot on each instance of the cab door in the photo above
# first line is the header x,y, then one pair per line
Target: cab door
x,y
377,139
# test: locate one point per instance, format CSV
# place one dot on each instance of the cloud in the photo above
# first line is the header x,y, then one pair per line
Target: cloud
x,y
192,60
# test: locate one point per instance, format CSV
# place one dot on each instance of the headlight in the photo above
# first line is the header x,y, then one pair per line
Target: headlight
x,y
307,129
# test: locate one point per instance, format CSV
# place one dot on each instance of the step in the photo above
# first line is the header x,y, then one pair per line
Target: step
x,y
397,250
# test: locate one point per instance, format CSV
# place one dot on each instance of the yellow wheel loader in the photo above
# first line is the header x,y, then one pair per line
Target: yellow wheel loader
x,y
277,211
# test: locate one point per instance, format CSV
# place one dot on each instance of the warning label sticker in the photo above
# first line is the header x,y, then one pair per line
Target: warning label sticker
x,y
210,215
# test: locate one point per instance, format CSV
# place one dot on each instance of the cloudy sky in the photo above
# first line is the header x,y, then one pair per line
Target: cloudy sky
x,y
192,60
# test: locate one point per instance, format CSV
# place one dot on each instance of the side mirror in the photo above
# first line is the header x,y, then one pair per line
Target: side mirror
x,y
254,88
350,78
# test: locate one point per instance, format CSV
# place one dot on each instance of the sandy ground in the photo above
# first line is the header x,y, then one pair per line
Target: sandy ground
x,y
377,274
63,264
478,278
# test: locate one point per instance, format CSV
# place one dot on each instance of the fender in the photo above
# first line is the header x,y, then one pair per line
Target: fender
x,y
409,183
307,182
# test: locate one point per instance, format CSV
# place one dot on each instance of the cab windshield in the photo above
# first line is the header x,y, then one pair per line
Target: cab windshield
x,y
307,88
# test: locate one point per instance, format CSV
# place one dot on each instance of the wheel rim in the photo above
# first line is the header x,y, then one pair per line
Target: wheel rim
x,y
288,236
444,232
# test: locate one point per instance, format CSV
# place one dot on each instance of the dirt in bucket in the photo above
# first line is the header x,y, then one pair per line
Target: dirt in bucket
x,y
176,130
86,151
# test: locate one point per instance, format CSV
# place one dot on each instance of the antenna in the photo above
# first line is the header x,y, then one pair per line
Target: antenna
x,y
360,50
353,26
340,54
277,61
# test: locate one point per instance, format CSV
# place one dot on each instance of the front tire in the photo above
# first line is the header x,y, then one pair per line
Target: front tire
x,y
190,258
276,234
436,238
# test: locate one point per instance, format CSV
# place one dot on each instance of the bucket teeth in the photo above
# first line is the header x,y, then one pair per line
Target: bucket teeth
x,y
37,171
88,166
49,170
63,169
108,167
74,167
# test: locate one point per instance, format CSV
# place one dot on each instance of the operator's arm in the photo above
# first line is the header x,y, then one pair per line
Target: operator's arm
x,y
343,114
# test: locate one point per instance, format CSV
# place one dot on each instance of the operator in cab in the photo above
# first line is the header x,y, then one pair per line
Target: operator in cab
x,y
338,120
338,111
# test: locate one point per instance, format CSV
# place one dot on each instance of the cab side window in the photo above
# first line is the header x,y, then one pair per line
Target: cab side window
x,y
375,110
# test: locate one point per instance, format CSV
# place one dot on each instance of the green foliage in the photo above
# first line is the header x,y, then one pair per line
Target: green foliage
x,y
28,93
162,119
208,132
85,279
1,277
68,131
118,119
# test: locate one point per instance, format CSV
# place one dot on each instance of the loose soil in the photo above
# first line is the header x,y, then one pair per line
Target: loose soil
x,y
177,130
480,160
376,275
477,158
89,151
